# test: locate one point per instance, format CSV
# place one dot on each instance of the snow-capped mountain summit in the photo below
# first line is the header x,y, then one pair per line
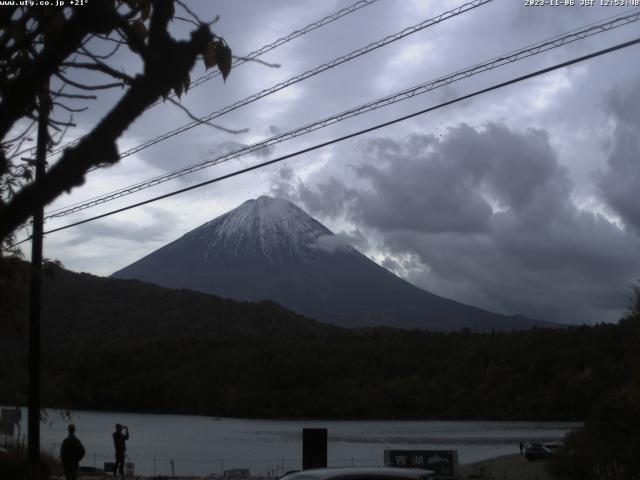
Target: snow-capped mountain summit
x,y
273,228
270,249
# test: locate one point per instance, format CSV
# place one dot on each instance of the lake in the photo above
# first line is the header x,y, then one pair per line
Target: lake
x,y
200,445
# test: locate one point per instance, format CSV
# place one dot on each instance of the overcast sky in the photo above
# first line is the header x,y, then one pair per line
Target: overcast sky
x,y
521,201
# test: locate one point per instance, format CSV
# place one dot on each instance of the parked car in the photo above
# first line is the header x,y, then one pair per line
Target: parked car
x,y
361,473
536,451
552,447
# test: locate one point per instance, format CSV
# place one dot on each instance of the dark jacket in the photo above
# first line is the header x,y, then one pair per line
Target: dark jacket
x,y
71,451
118,441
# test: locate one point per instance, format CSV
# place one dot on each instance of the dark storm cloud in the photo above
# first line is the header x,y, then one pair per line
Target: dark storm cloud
x,y
329,198
432,185
620,182
283,183
486,215
557,276
482,215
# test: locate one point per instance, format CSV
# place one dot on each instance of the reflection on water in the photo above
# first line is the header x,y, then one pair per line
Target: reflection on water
x,y
203,445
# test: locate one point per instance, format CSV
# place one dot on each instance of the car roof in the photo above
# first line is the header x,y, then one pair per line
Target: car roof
x,y
360,472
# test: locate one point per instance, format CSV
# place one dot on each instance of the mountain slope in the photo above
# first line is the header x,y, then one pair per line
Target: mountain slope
x,y
270,249
90,310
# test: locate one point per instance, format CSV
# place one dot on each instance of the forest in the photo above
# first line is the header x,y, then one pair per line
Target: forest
x,y
537,375
107,343
126,345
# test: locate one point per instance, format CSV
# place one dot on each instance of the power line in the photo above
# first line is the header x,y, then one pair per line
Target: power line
x,y
256,53
535,49
308,74
351,135
281,41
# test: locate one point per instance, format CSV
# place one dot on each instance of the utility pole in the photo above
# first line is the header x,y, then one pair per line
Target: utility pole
x,y
35,299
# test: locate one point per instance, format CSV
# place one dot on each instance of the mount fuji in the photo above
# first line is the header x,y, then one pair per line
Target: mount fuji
x,y
270,249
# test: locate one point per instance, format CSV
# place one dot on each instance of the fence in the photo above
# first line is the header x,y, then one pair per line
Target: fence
x,y
216,467
17,443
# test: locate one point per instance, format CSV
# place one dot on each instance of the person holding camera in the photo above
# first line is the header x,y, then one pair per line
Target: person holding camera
x,y
119,440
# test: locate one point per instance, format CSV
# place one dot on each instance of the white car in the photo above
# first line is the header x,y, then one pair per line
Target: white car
x,y
361,473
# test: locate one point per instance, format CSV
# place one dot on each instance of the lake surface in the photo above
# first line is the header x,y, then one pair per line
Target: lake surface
x,y
204,445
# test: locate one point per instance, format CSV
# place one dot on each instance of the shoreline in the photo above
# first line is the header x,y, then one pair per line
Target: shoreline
x,y
484,419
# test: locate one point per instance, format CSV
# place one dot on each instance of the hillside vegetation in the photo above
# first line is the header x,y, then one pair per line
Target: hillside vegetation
x,y
126,345
607,446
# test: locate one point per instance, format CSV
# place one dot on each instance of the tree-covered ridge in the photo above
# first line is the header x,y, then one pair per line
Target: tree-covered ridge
x,y
546,374
126,345
607,446
82,309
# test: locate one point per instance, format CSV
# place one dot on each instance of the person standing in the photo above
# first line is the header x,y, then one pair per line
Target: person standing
x,y
71,452
119,440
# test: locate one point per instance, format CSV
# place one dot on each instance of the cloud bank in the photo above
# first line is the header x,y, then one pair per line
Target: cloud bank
x,y
486,215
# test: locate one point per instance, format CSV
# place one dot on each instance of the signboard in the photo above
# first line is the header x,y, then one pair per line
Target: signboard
x,y
10,415
442,462
6,428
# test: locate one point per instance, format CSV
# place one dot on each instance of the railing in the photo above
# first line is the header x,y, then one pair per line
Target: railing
x,y
216,467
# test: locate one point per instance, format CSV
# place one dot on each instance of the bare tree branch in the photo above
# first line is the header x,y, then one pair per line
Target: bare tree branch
x,y
60,136
100,67
166,61
189,12
75,96
85,51
19,136
22,152
108,38
203,122
133,40
69,109
257,60
15,149
186,20
62,124
18,93
98,147
82,86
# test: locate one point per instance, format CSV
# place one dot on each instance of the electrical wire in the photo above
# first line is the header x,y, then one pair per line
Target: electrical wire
x,y
516,55
256,53
305,75
281,41
335,62
351,135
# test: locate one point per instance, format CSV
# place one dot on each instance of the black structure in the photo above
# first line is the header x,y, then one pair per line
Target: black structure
x,y
35,299
314,448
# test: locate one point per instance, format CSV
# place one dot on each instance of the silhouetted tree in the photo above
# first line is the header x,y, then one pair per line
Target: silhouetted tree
x,y
607,446
42,46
